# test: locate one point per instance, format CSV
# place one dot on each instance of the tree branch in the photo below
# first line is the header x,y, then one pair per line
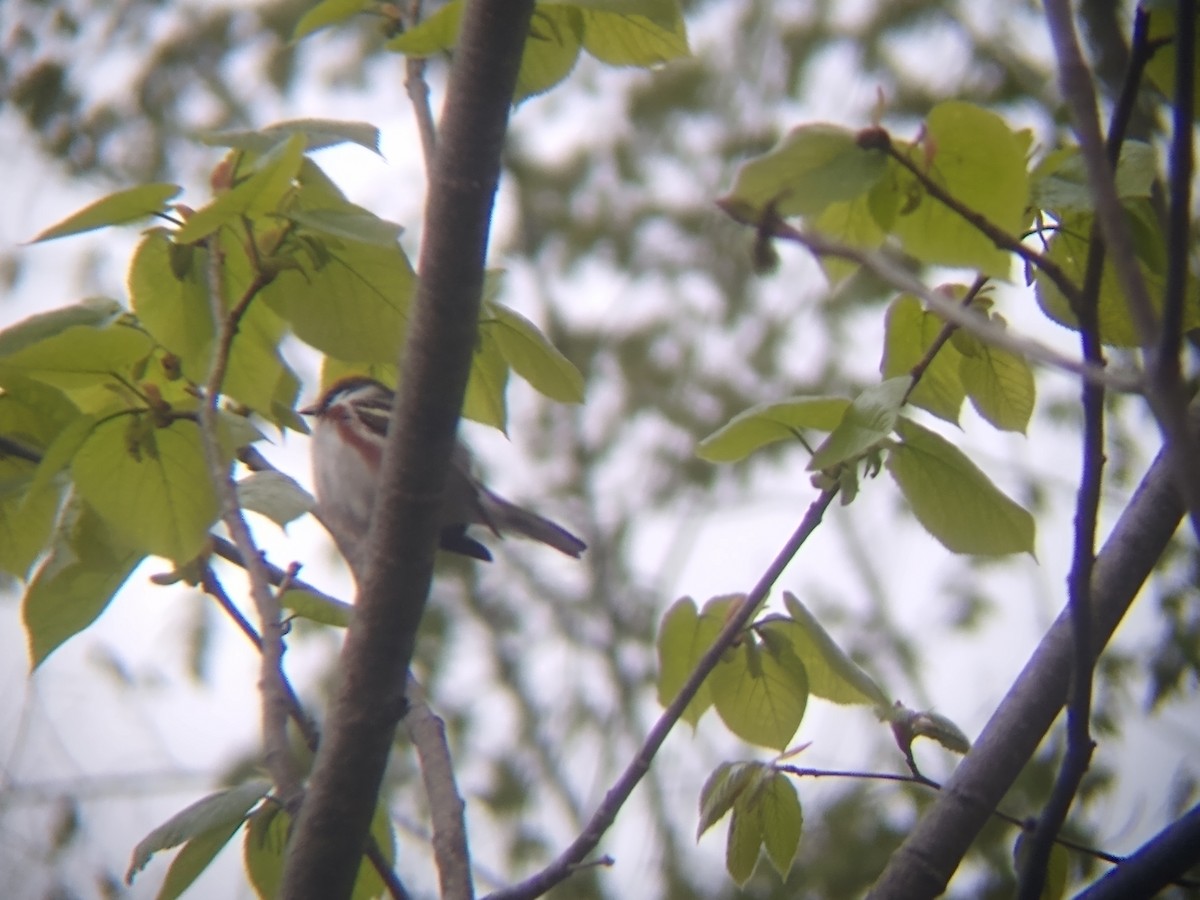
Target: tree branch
x,y
428,734
1159,863
925,862
574,856
277,752
1165,392
370,699
988,332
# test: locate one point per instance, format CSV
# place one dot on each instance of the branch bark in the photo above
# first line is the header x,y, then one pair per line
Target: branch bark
x,y
925,862
332,826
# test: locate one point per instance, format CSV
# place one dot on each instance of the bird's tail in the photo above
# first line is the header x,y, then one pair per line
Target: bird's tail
x,y
508,517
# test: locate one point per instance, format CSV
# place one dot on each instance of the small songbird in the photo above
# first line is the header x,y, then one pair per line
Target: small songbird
x,y
348,437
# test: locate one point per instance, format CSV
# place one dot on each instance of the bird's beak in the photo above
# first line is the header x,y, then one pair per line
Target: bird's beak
x,y
310,410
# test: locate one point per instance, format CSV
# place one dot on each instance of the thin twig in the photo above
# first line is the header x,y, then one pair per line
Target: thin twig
x,y
988,228
922,781
418,92
1179,214
948,329
446,807
562,867
277,751
1080,746
987,331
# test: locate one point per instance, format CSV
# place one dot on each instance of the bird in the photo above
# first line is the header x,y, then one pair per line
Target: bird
x,y
349,430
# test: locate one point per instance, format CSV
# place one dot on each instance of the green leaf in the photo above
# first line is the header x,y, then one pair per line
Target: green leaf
x,y
780,820
35,416
79,356
1060,181
813,167
531,355
722,788
632,38
485,401
863,222
213,813
760,692
870,419
325,610
261,193
683,637
555,38
277,496
910,332
766,814
26,516
326,13
263,847
1069,249
348,300
770,422
832,675
1000,384
124,206
436,33
743,844
953,499
151,484
664,13
98,312
266,840
75,583
169,290
317,134
196,856
1161,66
980,161
351,222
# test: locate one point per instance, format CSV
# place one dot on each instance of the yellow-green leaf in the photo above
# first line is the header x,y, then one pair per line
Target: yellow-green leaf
x,y
325,610
97,312
633,39
555,38
1000,384
953,499
123,206
436,33
317,133
760,692
722,789
326,13
350,300
770,422
683,637
531,355
261,193
75,583
910,332
79,356
974,156
813,167
780,820
832,675
152,487
223,810
869,420
485,401
1069,249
